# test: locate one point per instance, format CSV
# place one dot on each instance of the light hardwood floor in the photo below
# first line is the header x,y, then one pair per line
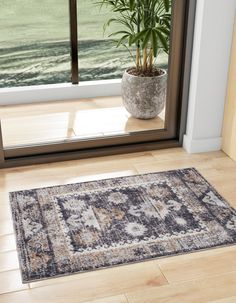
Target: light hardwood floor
x,y
207,276
66,120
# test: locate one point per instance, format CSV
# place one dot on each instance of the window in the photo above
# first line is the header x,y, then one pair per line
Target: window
x,y
38,52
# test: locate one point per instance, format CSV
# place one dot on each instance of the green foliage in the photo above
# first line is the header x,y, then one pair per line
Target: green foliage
x,y
145,24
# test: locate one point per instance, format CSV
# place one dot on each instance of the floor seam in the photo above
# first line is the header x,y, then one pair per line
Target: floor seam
x,y
168,282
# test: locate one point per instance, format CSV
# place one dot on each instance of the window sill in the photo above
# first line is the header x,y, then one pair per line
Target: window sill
x,y
57,92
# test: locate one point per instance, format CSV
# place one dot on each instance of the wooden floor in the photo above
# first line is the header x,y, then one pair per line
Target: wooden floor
x,y
207,276
66,120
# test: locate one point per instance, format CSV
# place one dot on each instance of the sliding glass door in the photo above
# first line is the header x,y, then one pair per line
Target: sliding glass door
x,y
53,42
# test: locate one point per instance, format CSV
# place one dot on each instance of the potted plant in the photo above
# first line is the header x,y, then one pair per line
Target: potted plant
x,y
144,31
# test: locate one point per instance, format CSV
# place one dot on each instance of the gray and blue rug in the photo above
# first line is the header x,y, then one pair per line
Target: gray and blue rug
x,y
72,228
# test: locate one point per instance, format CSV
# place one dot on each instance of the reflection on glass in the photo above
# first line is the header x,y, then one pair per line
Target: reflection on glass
x,y
34,42
31,124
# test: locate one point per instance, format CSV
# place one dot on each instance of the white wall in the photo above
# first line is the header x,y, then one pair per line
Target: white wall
x,y
210,62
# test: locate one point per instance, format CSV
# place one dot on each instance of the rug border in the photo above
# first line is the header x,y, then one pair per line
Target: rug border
x,y
129,263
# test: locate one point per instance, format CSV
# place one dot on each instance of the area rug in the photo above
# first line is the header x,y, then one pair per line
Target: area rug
x,y
79,227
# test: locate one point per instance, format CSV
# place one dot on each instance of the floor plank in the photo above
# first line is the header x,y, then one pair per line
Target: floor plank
x,y
4,197
197,291
5,212
133,275
11,282
202,163
6,227
113,299
226,300
53,177
69,172
199,264
8,261
91,286
7,243
28,297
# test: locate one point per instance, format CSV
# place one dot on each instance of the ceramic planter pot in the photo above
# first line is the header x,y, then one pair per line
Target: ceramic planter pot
x,y
144,97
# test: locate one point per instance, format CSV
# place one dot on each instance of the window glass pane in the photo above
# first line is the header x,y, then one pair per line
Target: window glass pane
x,y
34,42
99,58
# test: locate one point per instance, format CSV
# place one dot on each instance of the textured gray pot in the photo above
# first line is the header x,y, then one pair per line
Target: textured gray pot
x,y
144,97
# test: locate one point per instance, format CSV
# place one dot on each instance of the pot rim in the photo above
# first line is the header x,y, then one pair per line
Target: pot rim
x,y
159,76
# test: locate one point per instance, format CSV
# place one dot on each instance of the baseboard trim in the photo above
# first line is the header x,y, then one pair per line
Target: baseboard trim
x,y
201,145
